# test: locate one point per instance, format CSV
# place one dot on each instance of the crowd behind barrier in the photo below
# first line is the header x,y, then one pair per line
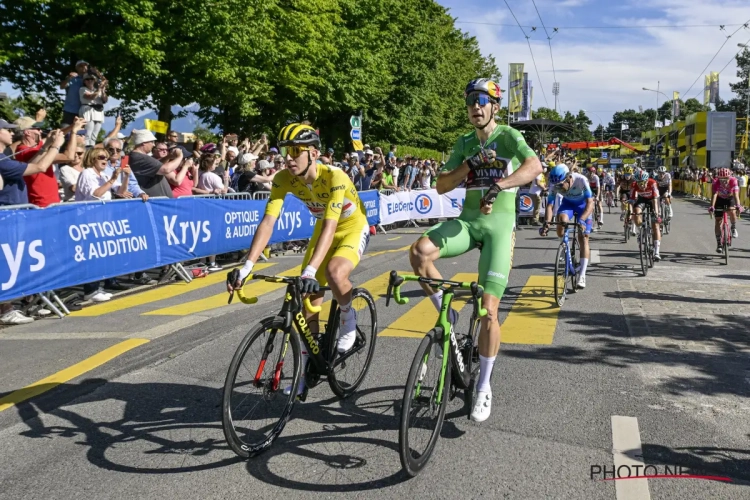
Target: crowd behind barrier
x,y
69,244
702,190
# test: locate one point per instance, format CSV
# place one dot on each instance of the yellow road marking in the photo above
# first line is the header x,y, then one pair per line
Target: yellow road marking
x,y
533,317
255,288
69,373
377,286
420,318
156,294
394,239
373,254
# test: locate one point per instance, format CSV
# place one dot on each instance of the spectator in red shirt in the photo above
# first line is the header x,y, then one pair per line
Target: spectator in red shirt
x,y
43,187
183,179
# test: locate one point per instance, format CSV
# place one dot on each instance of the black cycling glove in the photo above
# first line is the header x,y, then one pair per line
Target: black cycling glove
x,y
482,158
491,195
309,285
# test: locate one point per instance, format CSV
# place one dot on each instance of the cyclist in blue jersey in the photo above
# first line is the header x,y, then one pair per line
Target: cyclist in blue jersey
x,y
572,194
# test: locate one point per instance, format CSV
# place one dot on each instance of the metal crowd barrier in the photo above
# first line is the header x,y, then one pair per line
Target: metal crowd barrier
x,y
261,195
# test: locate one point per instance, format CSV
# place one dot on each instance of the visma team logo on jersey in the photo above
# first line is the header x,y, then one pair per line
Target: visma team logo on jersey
x,y
486,176
422,204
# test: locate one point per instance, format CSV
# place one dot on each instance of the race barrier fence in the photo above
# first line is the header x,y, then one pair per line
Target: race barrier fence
x,y
702,190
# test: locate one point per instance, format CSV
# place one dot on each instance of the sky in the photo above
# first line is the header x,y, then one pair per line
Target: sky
x,y
602,68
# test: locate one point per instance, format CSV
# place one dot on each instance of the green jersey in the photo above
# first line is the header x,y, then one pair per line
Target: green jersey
x,y
511,149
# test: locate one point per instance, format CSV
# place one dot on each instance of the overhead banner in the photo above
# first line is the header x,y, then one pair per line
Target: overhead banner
x,y
423,204
515,87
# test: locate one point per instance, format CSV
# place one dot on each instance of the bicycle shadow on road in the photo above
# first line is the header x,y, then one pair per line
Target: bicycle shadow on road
x,y
353,445
142,428
701,460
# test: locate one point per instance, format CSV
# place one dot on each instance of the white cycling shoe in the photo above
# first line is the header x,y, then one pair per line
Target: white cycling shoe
x,y
482,406
300,387
347,331
581,282
734,234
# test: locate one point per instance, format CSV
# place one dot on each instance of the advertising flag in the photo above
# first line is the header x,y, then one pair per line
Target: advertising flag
x,y
707,90
515,87
714,95
675,104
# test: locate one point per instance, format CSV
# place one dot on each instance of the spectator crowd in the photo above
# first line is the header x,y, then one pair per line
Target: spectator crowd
x,y
40,167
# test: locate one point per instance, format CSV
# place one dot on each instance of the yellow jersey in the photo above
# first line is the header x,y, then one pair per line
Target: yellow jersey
x,y
331,196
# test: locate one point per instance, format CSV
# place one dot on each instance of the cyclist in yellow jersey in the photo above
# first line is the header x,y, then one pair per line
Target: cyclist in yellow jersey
x,y
340,236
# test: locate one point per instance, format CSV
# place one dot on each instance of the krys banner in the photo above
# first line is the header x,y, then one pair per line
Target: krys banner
x,y
71,244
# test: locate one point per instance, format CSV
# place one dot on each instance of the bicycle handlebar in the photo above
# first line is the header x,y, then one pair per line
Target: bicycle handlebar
x,y
245,299
395,282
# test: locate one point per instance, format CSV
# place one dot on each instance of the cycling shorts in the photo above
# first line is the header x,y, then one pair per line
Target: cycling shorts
x,y
641,203
663,191
608,188
576,208
623,195
495,238
724,204
349,244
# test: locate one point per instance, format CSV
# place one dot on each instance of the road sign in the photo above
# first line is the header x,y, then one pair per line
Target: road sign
x,y
356,134
355,122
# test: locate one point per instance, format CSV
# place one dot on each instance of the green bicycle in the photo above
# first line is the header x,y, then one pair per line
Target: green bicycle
x,y
424,402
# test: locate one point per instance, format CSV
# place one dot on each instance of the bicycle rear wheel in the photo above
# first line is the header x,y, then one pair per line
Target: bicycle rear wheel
x,y
348,370
421,413
561,275
643,249
254,406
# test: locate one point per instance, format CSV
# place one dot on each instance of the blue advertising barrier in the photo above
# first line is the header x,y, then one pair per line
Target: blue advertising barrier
x,y
70,244
371,200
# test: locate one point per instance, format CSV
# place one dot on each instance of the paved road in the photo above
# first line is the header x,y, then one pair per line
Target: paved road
x,y
650,370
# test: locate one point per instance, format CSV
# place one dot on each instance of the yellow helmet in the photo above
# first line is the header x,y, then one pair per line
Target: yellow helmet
x,y
298,134
627,170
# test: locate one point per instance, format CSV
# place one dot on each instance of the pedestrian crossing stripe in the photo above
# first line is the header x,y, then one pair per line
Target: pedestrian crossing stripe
x,y
156,294
252,289
377,287
531,320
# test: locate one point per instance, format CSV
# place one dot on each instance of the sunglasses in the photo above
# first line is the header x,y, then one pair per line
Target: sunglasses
x,y
482,99
80,153
293,151
161,149
114,150
102,157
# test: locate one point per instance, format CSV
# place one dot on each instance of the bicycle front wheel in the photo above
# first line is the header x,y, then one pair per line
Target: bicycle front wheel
x,y
643,250
724,242
423,410
254,407
561,275
348,370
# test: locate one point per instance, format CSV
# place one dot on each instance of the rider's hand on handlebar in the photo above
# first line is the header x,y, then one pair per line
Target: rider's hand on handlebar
x,y
710,210
544,229
309,283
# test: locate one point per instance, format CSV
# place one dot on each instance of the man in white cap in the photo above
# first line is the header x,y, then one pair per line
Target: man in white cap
x,y
71,85
150,172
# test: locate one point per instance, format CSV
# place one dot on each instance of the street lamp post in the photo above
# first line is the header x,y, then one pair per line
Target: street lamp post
x,y
600,122
658,84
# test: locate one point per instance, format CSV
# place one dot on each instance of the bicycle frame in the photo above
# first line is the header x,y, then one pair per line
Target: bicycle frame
x,y
450,344
321,350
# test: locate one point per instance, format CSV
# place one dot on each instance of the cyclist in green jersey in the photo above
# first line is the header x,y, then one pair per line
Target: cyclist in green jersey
x,y
493,160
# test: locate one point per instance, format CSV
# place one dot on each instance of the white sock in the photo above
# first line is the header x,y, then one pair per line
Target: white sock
x,y
657,244
485,370
584,265
345,308
437,299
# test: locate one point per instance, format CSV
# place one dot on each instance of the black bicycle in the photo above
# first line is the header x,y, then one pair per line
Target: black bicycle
x,y
261,385
646,239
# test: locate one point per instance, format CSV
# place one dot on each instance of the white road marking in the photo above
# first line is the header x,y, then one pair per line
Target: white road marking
x,y
595,259
626,449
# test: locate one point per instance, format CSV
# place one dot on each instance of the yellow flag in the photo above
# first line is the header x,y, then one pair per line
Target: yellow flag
x,y
156,126
515,88
358,146
707,90
714,92
675,104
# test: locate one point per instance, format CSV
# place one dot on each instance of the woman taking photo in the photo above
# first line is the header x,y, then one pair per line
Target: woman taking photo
x,y
92,107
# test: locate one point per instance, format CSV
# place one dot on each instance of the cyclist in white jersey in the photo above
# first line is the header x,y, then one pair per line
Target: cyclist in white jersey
x,y
596,191
664,181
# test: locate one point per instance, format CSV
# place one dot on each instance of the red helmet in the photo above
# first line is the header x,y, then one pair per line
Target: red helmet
x,y
592,169
724,172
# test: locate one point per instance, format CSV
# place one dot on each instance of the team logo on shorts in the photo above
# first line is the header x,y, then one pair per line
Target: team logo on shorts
x,y
423,203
